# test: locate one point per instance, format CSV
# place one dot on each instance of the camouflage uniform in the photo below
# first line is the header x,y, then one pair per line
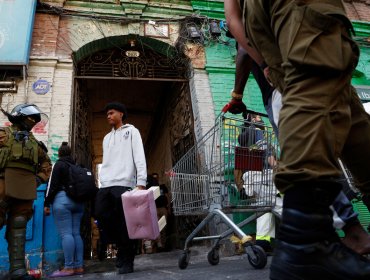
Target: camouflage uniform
x,y
19,163
311,58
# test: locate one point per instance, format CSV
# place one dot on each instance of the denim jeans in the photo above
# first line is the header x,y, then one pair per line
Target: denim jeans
x,y
273,105
67,215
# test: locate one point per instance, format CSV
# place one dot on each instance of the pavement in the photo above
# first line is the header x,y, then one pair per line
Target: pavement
x,y
165,266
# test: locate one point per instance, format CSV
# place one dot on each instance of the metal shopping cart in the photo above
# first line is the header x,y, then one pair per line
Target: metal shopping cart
x,y
218,176
354,195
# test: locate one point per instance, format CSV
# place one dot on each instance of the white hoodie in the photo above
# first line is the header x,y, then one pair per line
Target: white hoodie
x,y
123,158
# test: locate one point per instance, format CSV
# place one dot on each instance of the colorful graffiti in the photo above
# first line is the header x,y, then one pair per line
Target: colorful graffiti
x,y
40,128
54,143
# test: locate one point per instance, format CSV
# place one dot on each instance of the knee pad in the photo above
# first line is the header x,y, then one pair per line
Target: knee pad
x,y
18,222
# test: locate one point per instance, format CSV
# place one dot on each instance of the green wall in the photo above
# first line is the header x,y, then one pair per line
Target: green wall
x,y
362,74
220,57
221,70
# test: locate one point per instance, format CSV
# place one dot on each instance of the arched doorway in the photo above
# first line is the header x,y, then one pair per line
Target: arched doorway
x,y
152,79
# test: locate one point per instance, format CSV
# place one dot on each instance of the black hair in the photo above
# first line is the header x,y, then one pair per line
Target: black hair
x,y
64,150
118,107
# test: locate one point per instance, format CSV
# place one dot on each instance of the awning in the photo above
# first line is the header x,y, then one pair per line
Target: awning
x,y
16,25
363,92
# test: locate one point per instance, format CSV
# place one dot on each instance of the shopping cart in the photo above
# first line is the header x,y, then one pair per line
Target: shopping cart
x,y
218,176
354,195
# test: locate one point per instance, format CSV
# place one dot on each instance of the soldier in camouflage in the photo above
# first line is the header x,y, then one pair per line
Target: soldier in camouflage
x,y
311,56
22,157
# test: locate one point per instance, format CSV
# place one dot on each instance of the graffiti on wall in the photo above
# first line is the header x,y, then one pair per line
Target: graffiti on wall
x,y
39,128
54,144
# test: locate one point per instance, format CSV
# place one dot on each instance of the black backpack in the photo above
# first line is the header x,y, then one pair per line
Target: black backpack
x,y
81,185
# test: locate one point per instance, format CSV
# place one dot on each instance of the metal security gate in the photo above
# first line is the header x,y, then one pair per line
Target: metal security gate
x,y
129,63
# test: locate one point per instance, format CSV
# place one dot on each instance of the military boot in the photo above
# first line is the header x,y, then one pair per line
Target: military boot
x,y
16,236
304,252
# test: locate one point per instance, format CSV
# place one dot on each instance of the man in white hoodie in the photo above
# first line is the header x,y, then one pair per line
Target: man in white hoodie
x,y
123,168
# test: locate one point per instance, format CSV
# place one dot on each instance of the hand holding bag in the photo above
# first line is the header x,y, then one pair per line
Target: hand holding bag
x,y
141,214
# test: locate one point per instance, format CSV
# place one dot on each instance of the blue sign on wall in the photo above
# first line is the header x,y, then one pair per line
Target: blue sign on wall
x,y
16,25
41,87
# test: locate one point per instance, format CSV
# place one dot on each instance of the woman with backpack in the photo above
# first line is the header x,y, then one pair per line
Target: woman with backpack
x,y
67,214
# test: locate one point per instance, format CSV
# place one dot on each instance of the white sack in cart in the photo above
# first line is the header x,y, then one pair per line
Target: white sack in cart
x,y
141,214
260,185
266,224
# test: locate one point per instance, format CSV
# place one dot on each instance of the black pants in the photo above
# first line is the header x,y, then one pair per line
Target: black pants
x,y
111,219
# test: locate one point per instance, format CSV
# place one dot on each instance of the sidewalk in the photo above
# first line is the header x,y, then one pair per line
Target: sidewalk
x,y
165,266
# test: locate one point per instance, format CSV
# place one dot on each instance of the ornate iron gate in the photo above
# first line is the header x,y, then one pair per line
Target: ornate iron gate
x,y
133,64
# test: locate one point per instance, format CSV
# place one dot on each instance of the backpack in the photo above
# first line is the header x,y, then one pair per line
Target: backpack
x,y
81,185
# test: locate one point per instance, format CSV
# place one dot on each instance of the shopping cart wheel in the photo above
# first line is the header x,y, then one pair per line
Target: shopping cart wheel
x,y
260,259
213,257
184,259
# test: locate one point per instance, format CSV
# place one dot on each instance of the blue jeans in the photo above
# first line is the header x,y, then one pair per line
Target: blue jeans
x,y
270,114
67,215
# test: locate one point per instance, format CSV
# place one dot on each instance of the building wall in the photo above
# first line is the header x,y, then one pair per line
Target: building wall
x,y
56,104
221,71
220,57
358,9
56,37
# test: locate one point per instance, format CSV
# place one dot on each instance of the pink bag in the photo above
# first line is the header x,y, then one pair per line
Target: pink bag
x,y
141,214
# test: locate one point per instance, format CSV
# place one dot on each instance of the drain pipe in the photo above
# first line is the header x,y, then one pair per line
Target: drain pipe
x,y
8,86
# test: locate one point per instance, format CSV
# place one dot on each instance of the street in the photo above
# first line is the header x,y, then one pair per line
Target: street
x,y
164,266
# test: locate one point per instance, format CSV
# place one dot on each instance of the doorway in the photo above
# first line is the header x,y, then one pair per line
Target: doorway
x,y
154,87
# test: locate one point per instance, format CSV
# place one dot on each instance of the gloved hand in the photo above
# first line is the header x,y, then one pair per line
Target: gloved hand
x,y
235,106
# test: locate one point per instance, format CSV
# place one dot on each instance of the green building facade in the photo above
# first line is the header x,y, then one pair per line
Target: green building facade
x,y
221,69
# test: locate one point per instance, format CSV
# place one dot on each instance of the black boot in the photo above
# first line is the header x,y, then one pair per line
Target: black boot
x,y
127,256
24,277
119,258
127,265
16,236
309,250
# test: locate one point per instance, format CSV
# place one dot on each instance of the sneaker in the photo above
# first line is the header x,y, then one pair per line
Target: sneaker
x,y
321,260
126,268
61,273
78,271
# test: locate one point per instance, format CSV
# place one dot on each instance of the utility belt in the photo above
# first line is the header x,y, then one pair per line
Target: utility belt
x,y
22,165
